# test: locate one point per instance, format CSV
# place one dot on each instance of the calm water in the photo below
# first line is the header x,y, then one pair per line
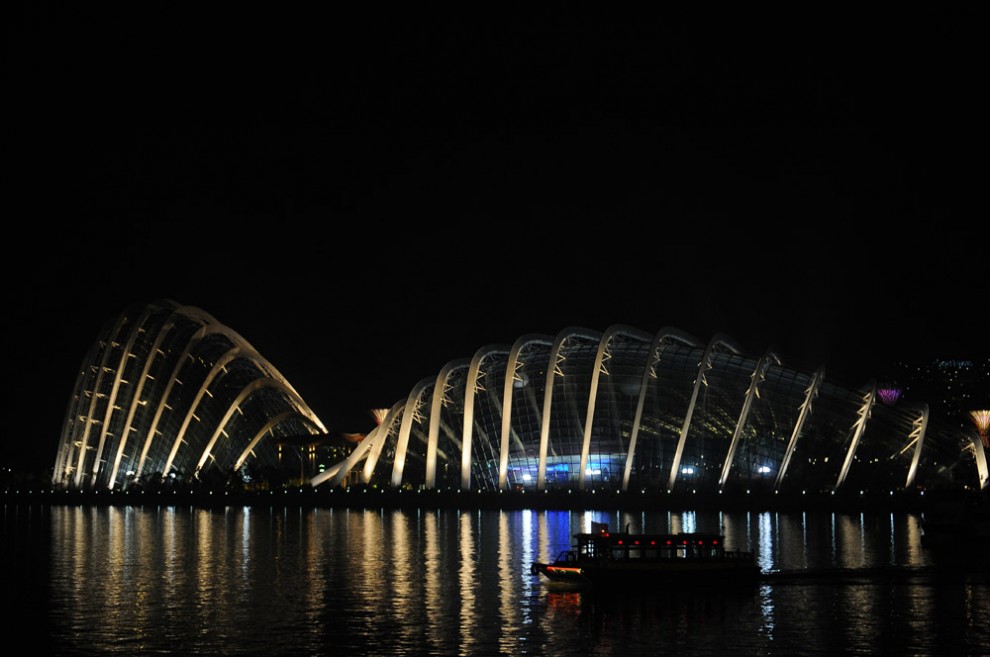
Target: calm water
x,y
250,581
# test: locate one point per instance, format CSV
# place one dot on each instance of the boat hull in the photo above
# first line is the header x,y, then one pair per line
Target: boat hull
x,y
647,575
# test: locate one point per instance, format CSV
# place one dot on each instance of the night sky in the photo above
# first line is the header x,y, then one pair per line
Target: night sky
x,y
365,197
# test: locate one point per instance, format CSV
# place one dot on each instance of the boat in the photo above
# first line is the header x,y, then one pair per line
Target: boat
x,y
602,559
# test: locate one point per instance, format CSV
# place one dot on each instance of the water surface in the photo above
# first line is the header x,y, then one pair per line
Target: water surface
x,y
88,580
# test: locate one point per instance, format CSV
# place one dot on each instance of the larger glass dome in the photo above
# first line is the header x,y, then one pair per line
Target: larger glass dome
x,y
625,409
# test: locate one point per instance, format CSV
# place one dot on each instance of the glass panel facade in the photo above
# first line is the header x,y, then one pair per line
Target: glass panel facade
x,y
168,395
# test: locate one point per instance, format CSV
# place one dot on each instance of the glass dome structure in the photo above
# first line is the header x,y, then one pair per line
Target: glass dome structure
x,y
167,392
625,409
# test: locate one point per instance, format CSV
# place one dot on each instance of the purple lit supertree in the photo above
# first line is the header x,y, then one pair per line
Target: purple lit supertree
x,y
889,394
982,421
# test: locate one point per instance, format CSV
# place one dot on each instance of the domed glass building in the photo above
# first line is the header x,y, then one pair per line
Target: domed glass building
x,y
629,410
168,392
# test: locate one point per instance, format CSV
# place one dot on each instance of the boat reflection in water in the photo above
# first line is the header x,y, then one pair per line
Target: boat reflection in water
x,y
601,559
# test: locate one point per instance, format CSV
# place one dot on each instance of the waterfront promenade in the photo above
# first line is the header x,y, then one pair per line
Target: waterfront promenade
x,y
371,497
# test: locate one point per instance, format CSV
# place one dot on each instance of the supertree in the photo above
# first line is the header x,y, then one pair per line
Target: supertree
x,y
889,394
379,414
982,421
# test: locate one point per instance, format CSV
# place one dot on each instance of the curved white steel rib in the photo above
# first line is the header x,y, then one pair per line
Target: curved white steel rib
x,y
136,400
273,422
563,337
241,396
917,435
337,474
375,450
163,402
80,466
112,400
264,367
511,367
63,460
369,449
440,398
664,336
809,396
122,440
860,426
218,367
758,376
474,371
981,459
704,366
410,413
103,462
603,350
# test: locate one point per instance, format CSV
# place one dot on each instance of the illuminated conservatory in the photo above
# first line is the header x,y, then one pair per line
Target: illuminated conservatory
x,y
169,392
630,410
169,395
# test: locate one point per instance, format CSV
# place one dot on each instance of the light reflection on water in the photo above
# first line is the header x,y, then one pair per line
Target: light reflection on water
x,y
166,580
469,618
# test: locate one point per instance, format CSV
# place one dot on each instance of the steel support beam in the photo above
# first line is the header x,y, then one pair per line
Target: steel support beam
x,y
662,339
705,365
918,437
759,375
810,394
410,413
860,425
601,357
440,399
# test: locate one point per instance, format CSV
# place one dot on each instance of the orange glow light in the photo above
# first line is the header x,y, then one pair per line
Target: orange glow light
x,y
981,419
379,414
561,569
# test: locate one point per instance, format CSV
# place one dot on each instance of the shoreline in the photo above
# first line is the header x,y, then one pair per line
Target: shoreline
x,y
369,497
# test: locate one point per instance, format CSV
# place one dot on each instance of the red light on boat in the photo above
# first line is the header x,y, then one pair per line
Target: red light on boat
x,y
653,542
636,542
684,542
620,541
701,542
668,542
714,542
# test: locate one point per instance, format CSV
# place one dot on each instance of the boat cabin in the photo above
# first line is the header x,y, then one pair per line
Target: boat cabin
x,y
606,546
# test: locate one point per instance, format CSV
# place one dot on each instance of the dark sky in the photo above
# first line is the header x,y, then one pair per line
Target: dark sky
x,y
366,197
